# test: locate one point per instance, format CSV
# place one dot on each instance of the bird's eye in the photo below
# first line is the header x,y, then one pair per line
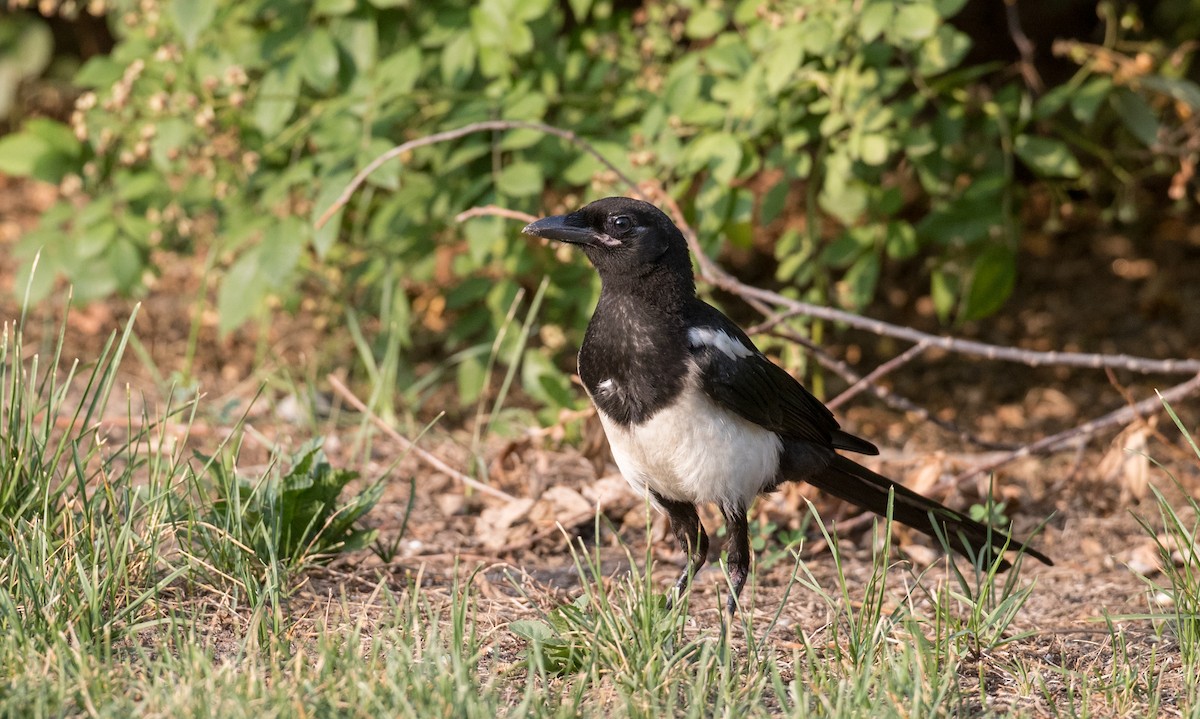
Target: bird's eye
x,y
622,223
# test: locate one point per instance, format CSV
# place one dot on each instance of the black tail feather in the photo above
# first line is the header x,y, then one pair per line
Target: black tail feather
x,y
858,485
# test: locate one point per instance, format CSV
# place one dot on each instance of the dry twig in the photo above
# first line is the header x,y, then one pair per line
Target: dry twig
x,y
427,457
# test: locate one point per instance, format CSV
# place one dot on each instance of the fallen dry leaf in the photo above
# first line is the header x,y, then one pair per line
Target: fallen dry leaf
x,y
492,527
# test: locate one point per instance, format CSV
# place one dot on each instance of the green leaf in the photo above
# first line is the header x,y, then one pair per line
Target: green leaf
x,y
782,60
521,179
943,290
19,153
330,189
992,280
1177,88
875,18
704,22
873,149
916,22
720,152
241,293
1137,115
100,71
1086,101
318,60
1046,156
277,95
334,8
45,150
458,59
191,17
901,240
858,285
943,52
774,201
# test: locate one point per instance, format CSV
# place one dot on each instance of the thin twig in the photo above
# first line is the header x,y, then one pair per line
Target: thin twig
x,y
485,126
1115,418
890,398
873,377
494,211
1032,358
1024,46
426,457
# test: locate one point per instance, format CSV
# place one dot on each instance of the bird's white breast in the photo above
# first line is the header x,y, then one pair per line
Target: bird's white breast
x,y
696,451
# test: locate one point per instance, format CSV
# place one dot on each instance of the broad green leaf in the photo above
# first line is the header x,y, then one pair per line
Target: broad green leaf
x,y
992,279
191,17
875,18
842,252
126,264
277,95
580,8
901,242
943,290
961,223
1139,119
282,246
1177,88
241,293
458,59
1046,156
19,153
915,22
334,8
1086,101
943,52
100,71
318,60
774,201
471,376
720,152
782,60
704,22
858,285
873,149
331,187
521,179
359,37
95,239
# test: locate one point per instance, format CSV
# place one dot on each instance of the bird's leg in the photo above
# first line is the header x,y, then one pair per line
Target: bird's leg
x,y
738,555
689,533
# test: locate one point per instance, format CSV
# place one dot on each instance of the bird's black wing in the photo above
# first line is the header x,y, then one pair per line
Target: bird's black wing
x,y
736,375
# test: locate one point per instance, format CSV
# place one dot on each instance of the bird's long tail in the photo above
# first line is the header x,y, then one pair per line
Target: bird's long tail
x,y
848,480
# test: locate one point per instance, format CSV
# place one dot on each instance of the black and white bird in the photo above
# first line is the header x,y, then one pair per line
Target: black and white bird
x,y
696,414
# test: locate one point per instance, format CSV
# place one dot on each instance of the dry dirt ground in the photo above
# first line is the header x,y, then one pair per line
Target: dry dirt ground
x,y
1101,292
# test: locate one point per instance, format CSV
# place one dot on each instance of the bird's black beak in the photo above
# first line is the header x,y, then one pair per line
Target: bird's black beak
x,y
559,227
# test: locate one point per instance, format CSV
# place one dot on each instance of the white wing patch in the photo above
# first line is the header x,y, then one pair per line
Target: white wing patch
x,y
605,385
718,340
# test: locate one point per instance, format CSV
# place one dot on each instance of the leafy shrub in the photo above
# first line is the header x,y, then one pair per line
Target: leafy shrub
x,y
224,128
294,516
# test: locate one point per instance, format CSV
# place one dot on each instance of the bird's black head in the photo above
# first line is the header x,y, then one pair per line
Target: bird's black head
x,y
626,239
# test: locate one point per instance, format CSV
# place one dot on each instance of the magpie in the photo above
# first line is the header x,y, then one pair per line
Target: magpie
x,y
696,414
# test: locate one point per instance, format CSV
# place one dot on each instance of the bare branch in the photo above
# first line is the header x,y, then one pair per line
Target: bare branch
x,y
494,211
426,457
876,374
890,398
1115,418
1032,358
485,126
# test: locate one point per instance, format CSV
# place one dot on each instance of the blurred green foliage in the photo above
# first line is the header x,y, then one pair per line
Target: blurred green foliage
x,y
852,129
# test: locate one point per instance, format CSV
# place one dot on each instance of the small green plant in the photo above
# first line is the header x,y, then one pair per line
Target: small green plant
x,y
291,517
